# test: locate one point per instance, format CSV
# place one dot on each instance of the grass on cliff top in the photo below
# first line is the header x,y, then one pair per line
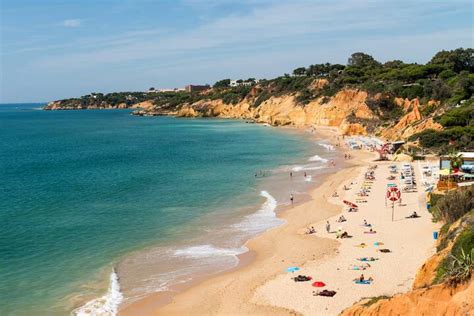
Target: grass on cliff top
x,y
375,299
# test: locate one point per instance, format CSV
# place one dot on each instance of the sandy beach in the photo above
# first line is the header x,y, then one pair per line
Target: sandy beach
x,y
262,286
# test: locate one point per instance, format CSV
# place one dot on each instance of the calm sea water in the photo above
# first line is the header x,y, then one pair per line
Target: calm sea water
x,y
82,190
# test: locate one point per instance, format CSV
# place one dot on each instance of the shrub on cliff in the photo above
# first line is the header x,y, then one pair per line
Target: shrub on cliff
x,y
454,205
462,116
457,266
456,138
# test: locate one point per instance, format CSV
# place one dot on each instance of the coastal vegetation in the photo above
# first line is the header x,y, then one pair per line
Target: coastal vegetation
x,y
456,210
443,89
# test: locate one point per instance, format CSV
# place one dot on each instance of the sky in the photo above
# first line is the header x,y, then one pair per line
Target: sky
x,y
54,49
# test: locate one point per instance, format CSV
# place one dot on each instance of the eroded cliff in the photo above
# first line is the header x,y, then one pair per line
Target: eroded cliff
x,y
348,110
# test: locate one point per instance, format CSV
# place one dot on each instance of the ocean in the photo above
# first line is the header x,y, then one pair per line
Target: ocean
x,y
103,204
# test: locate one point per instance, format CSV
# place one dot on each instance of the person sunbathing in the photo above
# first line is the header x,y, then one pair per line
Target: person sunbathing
x,y
344,235
335,194
371,231
366,224
364,259
311,230
362,279
360,267
341,219
414,215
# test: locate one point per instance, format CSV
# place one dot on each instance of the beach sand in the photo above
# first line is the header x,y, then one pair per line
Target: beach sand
x,y
261,286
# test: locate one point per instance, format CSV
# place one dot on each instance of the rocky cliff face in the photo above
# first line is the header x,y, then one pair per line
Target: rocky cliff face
x,y
412,122
347,110
284,110
438,300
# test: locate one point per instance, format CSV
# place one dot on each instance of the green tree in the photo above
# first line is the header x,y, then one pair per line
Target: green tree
x,y
360,59
394,64
300,71
224,83
437,90
457,60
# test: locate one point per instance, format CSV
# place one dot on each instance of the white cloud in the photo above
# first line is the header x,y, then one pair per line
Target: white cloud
x,y
72,23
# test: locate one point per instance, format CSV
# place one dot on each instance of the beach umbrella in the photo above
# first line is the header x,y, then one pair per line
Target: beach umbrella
x,y
350,204
292,269
319,284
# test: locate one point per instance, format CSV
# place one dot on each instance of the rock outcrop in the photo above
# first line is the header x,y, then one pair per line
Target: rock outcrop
x,y
284,110
412,122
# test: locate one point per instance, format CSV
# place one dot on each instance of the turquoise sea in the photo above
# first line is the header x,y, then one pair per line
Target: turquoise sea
x,y
159,198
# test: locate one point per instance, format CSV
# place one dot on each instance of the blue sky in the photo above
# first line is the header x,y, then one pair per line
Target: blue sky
x,y
52,49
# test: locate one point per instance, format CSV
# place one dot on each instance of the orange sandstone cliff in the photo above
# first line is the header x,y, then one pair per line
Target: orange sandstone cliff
x,y
347,110
284,110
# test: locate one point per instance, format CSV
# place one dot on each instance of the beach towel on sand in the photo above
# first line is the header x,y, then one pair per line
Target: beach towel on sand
x,y
367,259
325,293
292,269
363,282
302,278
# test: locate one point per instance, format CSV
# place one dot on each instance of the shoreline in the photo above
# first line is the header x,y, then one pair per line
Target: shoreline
x,y
301,196
260,286
151,304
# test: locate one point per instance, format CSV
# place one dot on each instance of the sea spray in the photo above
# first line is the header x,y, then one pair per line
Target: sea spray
x,y
106,305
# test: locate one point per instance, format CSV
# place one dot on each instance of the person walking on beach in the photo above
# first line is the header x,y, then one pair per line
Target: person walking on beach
x,y
291,174
291,198
328,227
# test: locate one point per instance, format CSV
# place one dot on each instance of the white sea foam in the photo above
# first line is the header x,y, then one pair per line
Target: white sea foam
x,y
317,158
263,219
327,146
203,251
306,167
106,305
